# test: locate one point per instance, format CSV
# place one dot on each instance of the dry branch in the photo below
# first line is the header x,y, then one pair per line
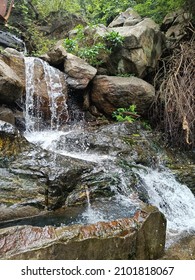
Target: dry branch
x,y
175,103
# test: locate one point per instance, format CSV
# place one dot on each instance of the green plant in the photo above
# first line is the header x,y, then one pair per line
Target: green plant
x,y
126,114
70,45
113,39
92,47
90,54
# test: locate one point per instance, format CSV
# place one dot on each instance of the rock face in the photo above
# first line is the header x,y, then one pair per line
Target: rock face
x,y
60,23
11,87
36,179
120,239
142,47
33,179
109,93
174,25
79,72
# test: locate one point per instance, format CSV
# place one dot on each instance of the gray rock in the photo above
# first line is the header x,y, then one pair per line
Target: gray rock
x,y
129,17
79,73
142,47
9,40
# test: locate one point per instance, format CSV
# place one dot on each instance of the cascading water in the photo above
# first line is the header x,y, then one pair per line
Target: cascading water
x,y
172,198
44,111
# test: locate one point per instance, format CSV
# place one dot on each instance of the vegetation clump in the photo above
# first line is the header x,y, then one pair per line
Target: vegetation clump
x,y
96,47
126,114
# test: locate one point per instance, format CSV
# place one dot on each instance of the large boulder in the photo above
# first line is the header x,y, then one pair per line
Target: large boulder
x,y
110,92
140,237
141,50
11,87
79,73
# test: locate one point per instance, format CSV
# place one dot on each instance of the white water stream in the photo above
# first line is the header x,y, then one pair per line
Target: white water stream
x,y
173,199
34,99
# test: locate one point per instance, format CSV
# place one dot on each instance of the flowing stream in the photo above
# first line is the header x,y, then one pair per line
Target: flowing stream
x,y
175,200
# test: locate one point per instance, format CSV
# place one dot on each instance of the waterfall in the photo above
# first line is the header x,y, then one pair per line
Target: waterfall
x,y
44,84
173,199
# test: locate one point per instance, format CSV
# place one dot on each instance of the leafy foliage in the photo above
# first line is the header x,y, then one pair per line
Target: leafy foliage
x,y
91,49
126,114
157,9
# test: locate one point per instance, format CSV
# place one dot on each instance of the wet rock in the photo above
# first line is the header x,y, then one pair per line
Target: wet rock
x,y
109,93
31,176
105,240
9,40
49,90
11,87
79,72
11,143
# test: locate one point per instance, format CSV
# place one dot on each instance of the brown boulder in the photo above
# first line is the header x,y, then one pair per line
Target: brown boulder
x,y
140,237
110,92
11,87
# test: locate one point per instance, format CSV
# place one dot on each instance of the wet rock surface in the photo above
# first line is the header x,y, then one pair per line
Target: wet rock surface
x,y
33,177
120,239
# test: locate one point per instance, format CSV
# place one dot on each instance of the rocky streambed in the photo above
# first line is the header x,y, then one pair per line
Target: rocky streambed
x,y
88,187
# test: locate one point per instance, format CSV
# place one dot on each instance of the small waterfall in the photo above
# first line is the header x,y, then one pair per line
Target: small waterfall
x,y
173,199
45,99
